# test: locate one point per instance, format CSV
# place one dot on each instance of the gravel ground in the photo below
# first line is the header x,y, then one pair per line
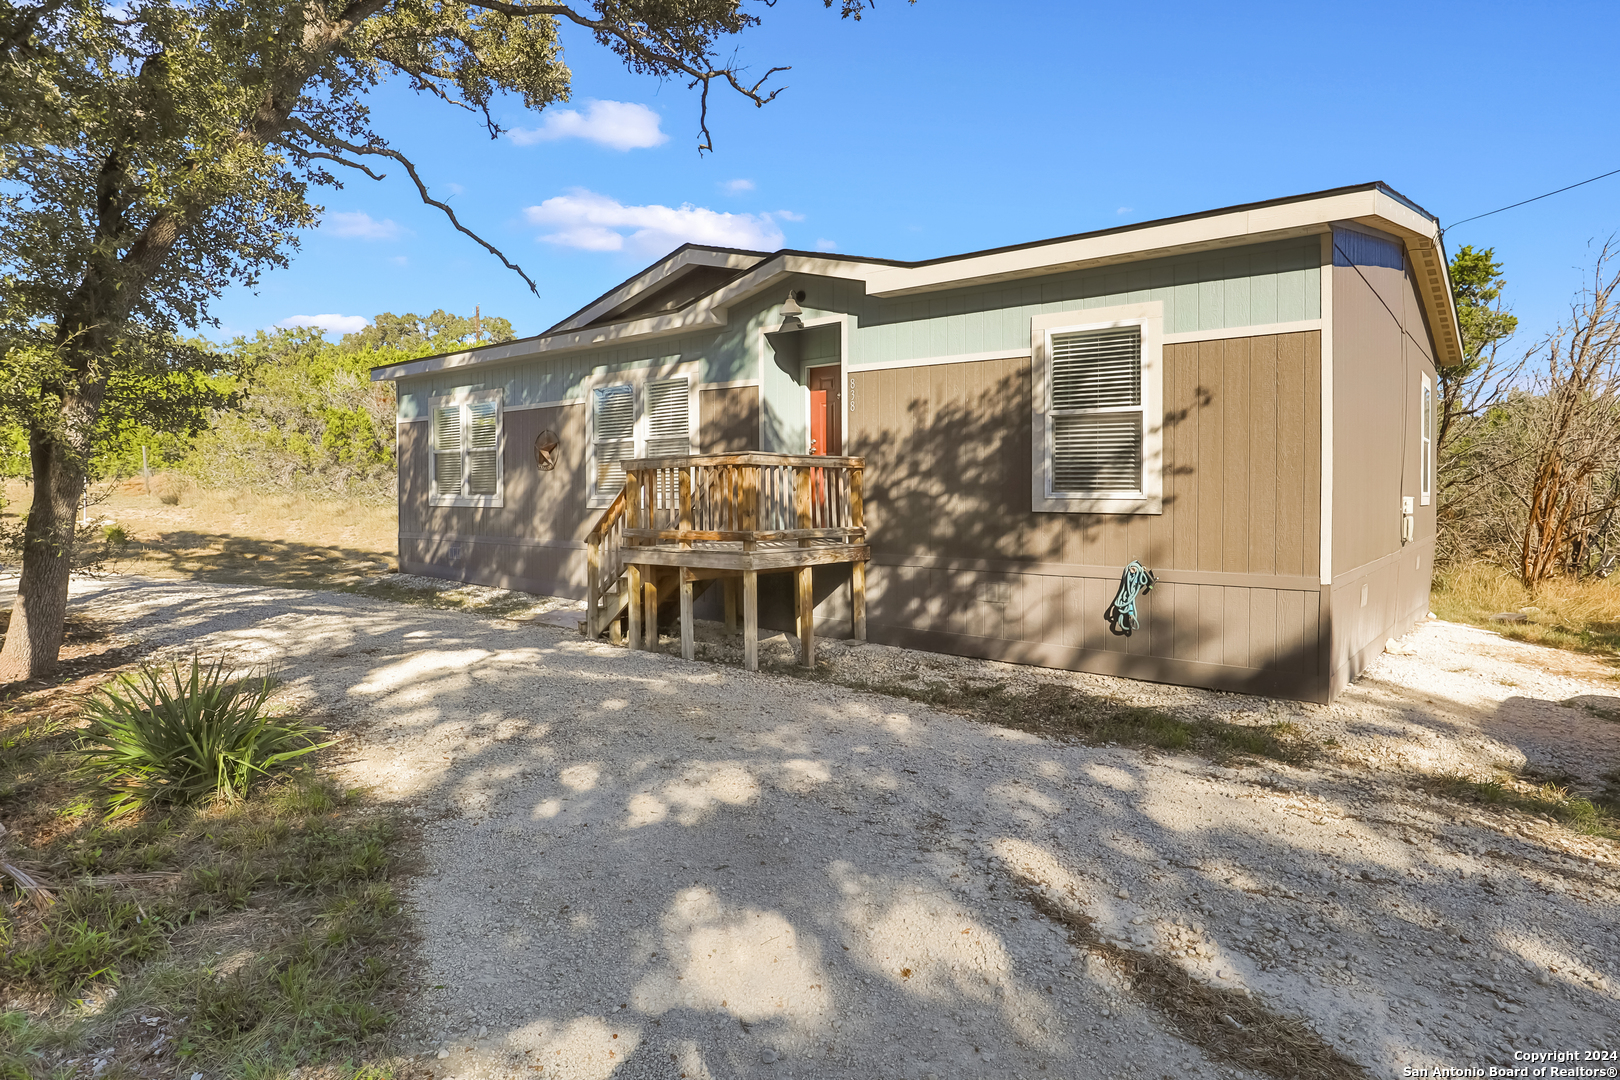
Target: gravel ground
x,y
639,867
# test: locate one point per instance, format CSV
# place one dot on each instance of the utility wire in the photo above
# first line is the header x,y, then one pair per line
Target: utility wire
x,y
1538,198
1377,296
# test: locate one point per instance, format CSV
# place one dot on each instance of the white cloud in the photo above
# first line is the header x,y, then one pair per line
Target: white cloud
x,y
360,225
826,245
737,187
455,189
336,324
1124,210
788,215
401,260
622,125
584,219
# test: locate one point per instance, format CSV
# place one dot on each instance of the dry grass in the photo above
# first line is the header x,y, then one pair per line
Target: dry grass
x,y
1581,616
242,940
241,537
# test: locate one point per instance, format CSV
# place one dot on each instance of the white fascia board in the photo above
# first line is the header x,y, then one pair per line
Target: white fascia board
x,y
656,276
1243,226
708,313
701,315
1426,247
1370,206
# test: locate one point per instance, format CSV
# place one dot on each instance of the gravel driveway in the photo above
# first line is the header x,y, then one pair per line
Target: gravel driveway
x,y
639,867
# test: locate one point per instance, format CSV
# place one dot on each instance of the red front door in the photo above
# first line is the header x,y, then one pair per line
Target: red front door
x,y
826,411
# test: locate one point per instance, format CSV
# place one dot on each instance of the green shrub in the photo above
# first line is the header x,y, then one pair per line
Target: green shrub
x,y
116,535
183,737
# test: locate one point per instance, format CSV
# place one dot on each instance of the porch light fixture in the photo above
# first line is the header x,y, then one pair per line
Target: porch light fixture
x,y
790,315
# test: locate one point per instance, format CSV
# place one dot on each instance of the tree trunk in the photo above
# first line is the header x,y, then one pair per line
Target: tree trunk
x,y
34,637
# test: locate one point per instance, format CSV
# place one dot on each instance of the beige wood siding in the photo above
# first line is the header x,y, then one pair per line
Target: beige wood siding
x,y
1381,349
728,420
961,562
535,541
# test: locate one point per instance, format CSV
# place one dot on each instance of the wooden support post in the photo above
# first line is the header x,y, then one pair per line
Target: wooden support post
x,y
593,585
857,600
688,641
635,606
729,585
750,620
807,615
649,611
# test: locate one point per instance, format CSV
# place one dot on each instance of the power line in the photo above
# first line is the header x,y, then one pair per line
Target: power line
x,y
1510,206
1399,325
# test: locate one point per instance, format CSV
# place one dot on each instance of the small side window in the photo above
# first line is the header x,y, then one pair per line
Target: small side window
x,y
1426,443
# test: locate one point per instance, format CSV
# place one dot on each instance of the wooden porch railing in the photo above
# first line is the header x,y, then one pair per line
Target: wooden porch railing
x,y
743,498
729,516
604,562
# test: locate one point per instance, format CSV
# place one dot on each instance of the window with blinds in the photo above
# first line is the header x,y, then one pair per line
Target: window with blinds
x,y
1426,442
614,439
466,449
634,420
1095,414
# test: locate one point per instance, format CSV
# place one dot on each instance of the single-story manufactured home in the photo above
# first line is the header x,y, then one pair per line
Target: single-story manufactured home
x,y
1240,400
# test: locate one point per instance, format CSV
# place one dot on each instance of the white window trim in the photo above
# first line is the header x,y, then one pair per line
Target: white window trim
x,y
1426,441
463,398
1150,499
637,378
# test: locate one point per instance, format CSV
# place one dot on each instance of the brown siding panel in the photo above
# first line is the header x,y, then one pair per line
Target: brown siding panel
x,y
728,420
948,451
535,541
1381,349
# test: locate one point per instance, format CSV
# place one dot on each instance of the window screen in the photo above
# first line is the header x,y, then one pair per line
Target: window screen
x,y
1095,418
447,463
614,428
669,431
467,449
483,447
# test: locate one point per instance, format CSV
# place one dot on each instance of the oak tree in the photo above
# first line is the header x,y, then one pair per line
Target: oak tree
x,y
153,153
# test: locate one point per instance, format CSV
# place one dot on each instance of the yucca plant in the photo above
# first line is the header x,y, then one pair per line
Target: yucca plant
x,y
179,737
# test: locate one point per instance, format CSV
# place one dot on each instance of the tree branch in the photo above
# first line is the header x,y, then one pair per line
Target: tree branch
x,y
421,188
304,153
16,36
668,61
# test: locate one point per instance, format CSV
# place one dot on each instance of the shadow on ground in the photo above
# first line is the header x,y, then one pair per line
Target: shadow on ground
x,y
246,560
640,867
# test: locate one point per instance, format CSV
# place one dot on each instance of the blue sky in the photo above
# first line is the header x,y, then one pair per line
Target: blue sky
x,y
944,126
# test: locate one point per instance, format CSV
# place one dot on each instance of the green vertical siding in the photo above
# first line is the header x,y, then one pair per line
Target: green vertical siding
x,y
1251,286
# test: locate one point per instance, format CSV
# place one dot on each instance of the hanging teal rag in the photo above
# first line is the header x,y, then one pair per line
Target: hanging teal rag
x,y
1136,580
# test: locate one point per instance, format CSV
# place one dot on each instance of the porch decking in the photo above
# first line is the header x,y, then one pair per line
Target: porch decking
x,y
682,523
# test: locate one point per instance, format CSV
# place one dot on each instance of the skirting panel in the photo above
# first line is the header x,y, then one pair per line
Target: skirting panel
x,y
1272,683
547,571
1256,639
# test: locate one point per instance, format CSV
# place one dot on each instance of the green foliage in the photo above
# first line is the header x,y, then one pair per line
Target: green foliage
x,y
427,334
184,737
1476,286
22,1046
1579,813
304,415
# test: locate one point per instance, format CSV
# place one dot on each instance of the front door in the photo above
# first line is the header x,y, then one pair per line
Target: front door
x,y
826,411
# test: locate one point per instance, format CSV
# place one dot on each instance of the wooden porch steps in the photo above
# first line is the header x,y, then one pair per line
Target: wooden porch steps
x,y
682,523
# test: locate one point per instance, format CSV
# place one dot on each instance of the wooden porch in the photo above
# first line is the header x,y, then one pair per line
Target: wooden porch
x,y
683,523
